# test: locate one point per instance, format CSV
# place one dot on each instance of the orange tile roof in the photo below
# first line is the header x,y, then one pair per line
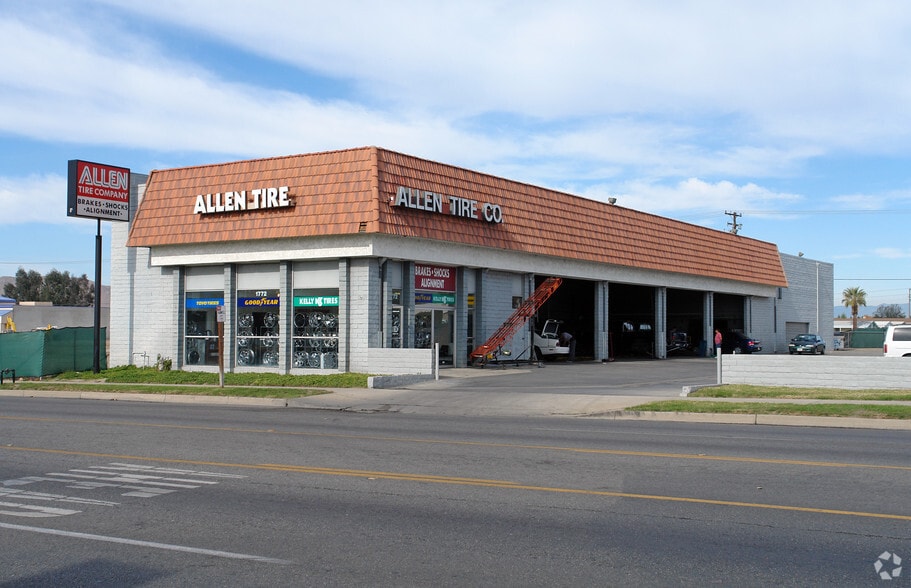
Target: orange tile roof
x,y
334,193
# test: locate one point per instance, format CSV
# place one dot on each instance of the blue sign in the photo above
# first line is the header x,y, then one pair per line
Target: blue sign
x,y
205,302
261,302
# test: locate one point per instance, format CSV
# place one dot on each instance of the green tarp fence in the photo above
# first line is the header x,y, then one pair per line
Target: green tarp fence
x,y
867,338
43,353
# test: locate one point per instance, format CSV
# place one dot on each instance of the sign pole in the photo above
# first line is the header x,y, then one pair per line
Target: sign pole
x,y
220,317
96,357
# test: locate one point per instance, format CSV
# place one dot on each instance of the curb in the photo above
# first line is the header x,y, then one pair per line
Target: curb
x,y
155,398
760,419
374,407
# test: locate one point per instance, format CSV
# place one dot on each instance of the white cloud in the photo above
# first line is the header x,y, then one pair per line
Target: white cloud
x,y
804,71
694,196
37,198
600,92
892,253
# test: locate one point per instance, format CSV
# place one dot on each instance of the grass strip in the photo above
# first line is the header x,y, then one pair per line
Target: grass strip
x,y
136,375
182,389
867,411
746,391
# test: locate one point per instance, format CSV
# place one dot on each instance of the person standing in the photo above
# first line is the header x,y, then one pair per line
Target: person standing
x,y
718,339
567,340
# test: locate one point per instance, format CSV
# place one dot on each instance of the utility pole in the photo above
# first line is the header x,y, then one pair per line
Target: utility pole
x,y
735,226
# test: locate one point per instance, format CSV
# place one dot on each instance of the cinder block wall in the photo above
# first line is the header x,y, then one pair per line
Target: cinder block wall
x,y
818,371
387,360
498,289
143,303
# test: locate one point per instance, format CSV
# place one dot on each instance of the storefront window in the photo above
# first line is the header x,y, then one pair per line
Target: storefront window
x,y
201,340
434,304
315,337
257,327
394,282
396,326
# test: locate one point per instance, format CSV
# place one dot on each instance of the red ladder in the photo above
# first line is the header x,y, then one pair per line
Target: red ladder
x,y
491,347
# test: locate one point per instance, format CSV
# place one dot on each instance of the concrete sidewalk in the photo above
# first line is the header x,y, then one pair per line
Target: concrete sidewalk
x,y
593,390
578,390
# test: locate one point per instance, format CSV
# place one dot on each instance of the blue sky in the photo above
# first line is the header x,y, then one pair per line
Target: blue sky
x,y
794,114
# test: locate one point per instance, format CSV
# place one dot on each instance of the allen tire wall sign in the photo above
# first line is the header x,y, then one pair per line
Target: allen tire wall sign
x,y
96,190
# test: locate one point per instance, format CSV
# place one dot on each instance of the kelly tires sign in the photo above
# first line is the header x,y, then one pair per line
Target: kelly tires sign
x,y
96,190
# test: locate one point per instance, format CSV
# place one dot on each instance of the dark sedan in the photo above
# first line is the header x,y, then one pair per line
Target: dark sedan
x,y
807,343
739,342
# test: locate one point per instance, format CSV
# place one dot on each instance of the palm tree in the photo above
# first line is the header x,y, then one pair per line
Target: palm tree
x,y
854,297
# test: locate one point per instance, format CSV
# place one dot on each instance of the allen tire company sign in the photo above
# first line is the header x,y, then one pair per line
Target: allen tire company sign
x,y
96,190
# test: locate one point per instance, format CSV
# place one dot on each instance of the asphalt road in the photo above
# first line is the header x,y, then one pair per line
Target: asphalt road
x,y
128,494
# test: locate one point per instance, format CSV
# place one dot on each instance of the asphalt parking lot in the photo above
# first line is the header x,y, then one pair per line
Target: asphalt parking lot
x,y
627,378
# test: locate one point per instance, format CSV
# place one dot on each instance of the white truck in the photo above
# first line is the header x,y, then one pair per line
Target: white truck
x,y
547,341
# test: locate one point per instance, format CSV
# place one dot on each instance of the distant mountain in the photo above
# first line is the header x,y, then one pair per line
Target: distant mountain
x,y
105,290
867,310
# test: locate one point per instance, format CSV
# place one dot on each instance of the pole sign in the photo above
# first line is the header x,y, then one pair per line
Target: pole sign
x,y
96,190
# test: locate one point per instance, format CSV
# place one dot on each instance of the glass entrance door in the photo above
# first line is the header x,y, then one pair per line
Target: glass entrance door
x,y
435,326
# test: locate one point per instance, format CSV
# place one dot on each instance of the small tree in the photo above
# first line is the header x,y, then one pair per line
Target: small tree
x,y
62,289
888,311
854,298
59,288
26,287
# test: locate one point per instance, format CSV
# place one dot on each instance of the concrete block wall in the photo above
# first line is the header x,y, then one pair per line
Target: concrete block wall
x,y
30,318
362,312
809,280
390,361
761,322
822,371
498,290
143,303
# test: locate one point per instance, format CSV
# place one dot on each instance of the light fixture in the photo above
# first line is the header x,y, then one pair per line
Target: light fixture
x,y
611,201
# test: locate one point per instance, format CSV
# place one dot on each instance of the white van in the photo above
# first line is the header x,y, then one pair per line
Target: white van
x,y
898,341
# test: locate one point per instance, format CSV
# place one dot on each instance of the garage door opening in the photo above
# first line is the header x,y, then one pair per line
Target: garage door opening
x,y
631,321
685,320
573,303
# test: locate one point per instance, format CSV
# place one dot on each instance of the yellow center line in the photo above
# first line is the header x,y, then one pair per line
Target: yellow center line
x,y
454,480
617,452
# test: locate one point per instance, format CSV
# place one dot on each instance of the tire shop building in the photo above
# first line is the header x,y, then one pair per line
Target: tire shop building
x,y
367,260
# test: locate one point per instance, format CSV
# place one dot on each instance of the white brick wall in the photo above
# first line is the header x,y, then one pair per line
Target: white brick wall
x,y
363,313
388,361
498,288
143,303
823,371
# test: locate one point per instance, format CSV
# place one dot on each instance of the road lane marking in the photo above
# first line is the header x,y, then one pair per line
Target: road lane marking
x,y
139,543
477,482
557,448
33,511
29,495
119,476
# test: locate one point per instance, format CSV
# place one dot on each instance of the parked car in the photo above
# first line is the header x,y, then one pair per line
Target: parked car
x,y
547,342
807,343
739,342
898,341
